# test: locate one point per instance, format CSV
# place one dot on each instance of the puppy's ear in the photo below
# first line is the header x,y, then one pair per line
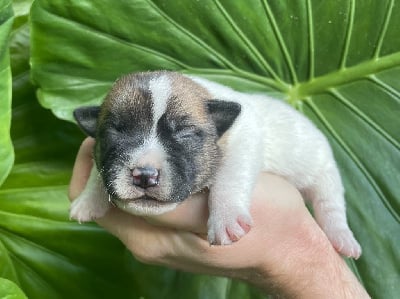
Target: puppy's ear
x,y
87,119
223,114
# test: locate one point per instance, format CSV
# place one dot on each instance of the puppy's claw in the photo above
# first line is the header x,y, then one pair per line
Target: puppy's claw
x,y
239,230
226,230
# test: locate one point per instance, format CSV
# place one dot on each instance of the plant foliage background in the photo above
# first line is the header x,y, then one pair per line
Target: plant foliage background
x,y
336,61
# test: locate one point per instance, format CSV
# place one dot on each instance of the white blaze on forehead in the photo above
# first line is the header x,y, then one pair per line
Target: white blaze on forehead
x,y
151,153
160,88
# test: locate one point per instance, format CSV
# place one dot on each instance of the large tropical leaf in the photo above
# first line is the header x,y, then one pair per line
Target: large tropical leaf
x,y
6,150
336,61
43,252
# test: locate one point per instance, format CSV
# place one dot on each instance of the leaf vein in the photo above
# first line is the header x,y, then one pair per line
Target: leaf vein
x,y
349,30
246,41
364,117
193,37
354,158
384,29
311,37
280,40
395,93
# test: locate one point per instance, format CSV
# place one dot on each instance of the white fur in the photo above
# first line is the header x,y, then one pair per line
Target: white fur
x,y
160,88
144,208
93,202
151,153
268,135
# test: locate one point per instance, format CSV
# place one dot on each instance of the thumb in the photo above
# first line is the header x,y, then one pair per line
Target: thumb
x,y
83,165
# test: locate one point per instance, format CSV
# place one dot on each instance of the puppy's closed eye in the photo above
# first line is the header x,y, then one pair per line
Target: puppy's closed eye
x,y
188,133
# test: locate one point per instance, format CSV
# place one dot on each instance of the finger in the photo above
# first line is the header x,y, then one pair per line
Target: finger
x,y
122,224
82,167
148,243
191,215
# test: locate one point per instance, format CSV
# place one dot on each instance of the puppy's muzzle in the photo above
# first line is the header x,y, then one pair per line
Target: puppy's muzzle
x,y
145,177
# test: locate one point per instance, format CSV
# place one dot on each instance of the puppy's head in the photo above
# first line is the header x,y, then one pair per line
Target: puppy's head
x,y
156,139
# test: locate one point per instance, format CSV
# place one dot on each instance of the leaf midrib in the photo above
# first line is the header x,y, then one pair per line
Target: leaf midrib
x,y
343,76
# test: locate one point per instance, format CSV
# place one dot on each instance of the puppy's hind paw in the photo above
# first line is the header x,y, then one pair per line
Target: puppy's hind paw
x,y
345,243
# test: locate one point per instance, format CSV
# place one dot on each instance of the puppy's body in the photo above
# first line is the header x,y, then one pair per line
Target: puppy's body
x,y
199,134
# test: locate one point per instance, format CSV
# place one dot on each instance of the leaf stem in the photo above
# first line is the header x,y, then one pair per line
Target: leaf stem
x,y
345,75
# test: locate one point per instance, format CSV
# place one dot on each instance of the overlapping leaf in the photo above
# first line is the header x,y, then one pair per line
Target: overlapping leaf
x,y
6,150
337,61
9,290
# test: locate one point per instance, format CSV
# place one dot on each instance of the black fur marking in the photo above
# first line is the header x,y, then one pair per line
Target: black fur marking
x,y
124,126
111,158
86,118
183,142
223,114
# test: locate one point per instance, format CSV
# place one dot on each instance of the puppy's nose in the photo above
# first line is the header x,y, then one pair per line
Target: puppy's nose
x,y
145,177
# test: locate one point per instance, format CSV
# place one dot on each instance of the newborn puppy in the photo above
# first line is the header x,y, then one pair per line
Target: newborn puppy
x,y
161,136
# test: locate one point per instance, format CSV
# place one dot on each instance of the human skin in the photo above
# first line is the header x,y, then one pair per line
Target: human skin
x,y
284,253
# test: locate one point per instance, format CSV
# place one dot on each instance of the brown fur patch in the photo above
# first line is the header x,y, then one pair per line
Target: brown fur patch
x,y
129,93
189,97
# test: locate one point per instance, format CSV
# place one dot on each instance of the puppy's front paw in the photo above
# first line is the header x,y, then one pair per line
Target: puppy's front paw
x,y
225,228
84,210
344,242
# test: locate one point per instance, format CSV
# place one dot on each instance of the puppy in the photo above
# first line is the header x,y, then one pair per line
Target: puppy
x,y
161,136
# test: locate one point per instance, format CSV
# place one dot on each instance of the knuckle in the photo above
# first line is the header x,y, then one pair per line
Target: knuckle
x,y
147,252
148,256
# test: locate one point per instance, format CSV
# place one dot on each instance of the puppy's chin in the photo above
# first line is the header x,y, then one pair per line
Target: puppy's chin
x,y
145,206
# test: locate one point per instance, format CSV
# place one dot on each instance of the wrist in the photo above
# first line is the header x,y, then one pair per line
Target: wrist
x,y
310,268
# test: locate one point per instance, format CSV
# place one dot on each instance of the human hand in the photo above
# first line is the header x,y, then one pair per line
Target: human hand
x,y
285,251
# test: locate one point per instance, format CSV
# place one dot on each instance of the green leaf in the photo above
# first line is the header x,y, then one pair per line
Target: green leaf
x,y
43,252
6,149
336,61
39,247
9,290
